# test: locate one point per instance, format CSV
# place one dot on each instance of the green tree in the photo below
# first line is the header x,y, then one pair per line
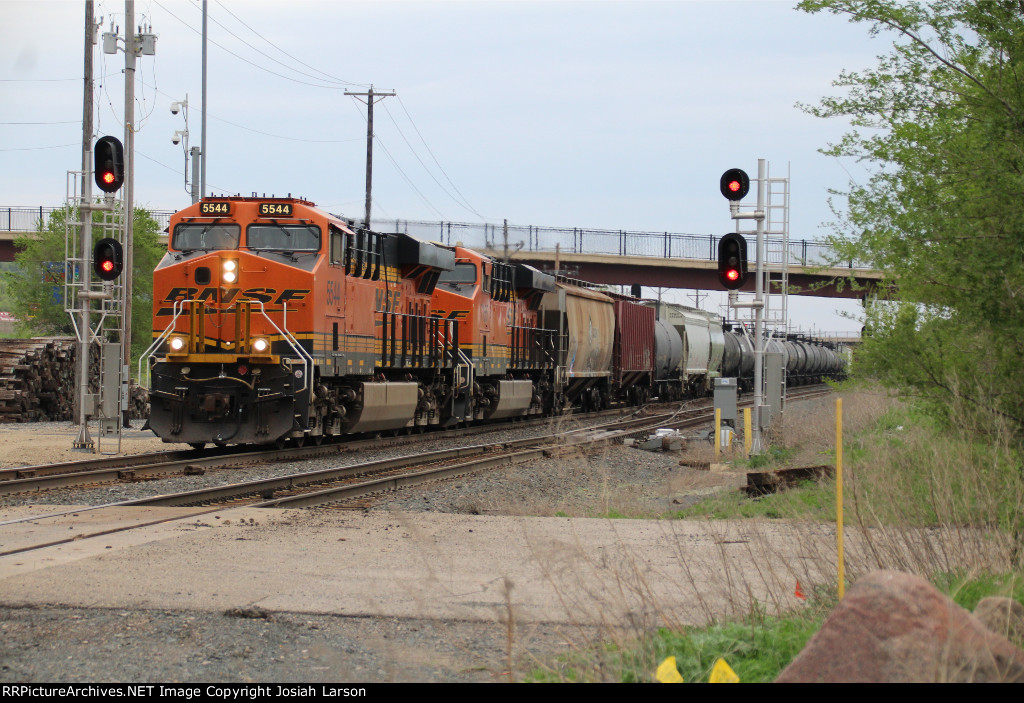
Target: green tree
x,y
941,119
35,289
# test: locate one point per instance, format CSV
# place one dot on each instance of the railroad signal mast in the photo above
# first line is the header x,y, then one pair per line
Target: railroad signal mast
x,y
105,261
771,215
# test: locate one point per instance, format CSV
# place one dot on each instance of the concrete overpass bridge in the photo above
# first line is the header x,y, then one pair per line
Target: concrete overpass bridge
x,y
616,257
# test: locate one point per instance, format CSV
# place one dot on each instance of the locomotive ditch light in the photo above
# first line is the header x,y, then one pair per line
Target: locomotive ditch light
x,y
108,164
732,260
260,345
734,184
177,343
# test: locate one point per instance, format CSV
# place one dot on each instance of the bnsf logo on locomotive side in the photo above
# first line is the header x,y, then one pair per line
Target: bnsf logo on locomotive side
x,y
387,300
226,296
453,315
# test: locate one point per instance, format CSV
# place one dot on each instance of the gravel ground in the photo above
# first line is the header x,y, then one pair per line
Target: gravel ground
x,y
90,645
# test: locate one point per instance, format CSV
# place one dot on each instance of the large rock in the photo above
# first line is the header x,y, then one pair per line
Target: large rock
x,y
1003,616
895,627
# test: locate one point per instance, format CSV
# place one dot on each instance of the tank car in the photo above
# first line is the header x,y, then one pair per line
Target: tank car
x,y
701,345
274,320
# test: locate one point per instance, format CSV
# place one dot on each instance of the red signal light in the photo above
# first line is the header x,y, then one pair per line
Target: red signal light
x,y
732,260
108,161
108,259
734,184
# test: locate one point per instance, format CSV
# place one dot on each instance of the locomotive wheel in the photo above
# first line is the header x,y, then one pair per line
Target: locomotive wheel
x,y
197,445
300,441
318,440
280,442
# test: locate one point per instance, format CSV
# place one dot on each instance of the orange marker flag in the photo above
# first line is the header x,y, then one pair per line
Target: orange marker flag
x,y
799,592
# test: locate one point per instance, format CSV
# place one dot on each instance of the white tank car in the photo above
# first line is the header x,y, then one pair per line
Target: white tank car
x,y
703,344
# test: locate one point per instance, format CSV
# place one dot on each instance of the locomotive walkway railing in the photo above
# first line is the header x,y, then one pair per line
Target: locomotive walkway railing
x,y
577,240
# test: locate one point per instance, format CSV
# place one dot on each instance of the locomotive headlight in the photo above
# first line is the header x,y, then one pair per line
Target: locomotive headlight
x,y
177,343
260,345
230,271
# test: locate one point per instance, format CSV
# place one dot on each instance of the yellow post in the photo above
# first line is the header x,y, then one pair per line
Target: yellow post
x,y
718,434
747,437
839,495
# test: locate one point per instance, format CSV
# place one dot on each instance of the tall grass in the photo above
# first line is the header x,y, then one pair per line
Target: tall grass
x,y
942,501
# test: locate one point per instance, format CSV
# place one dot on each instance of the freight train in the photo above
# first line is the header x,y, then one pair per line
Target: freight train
x,y
276,321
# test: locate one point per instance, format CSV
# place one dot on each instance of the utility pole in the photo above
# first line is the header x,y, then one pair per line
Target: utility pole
x,y
85,236
129,200
202,137
369,95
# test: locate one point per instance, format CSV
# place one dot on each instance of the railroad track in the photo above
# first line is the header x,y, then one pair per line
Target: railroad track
x,y
341,485
157,465
144,467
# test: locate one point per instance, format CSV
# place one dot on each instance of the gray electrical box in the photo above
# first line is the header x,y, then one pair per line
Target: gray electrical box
x,y
725,399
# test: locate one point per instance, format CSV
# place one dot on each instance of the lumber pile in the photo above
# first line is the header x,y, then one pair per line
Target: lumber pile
x,y
37,380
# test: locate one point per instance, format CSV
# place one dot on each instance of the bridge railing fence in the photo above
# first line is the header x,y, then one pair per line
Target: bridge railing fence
x,y
613,242
28,219
574,240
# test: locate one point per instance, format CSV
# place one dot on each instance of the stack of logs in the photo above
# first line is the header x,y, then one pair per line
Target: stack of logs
x,y
37,380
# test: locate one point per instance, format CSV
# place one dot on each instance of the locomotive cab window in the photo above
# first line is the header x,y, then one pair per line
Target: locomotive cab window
x,y
208,236
283,237
337,244
462,274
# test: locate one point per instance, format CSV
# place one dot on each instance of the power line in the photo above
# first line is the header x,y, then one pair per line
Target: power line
x,y
242,58
397,167
257,131
37,148
463,202
293,58
43,123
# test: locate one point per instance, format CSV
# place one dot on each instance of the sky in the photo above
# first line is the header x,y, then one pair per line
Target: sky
x,y
612,114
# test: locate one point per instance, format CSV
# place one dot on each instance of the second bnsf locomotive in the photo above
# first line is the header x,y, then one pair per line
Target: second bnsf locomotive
x,y
276,321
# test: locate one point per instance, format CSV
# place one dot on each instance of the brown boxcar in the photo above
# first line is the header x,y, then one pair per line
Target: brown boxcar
x,y
633,355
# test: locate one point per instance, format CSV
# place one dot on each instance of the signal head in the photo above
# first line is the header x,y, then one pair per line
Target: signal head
x,y
108,164
108,259
734,184
732,260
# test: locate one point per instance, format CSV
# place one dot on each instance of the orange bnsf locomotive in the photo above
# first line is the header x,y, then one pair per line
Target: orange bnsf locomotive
x,y
274,320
